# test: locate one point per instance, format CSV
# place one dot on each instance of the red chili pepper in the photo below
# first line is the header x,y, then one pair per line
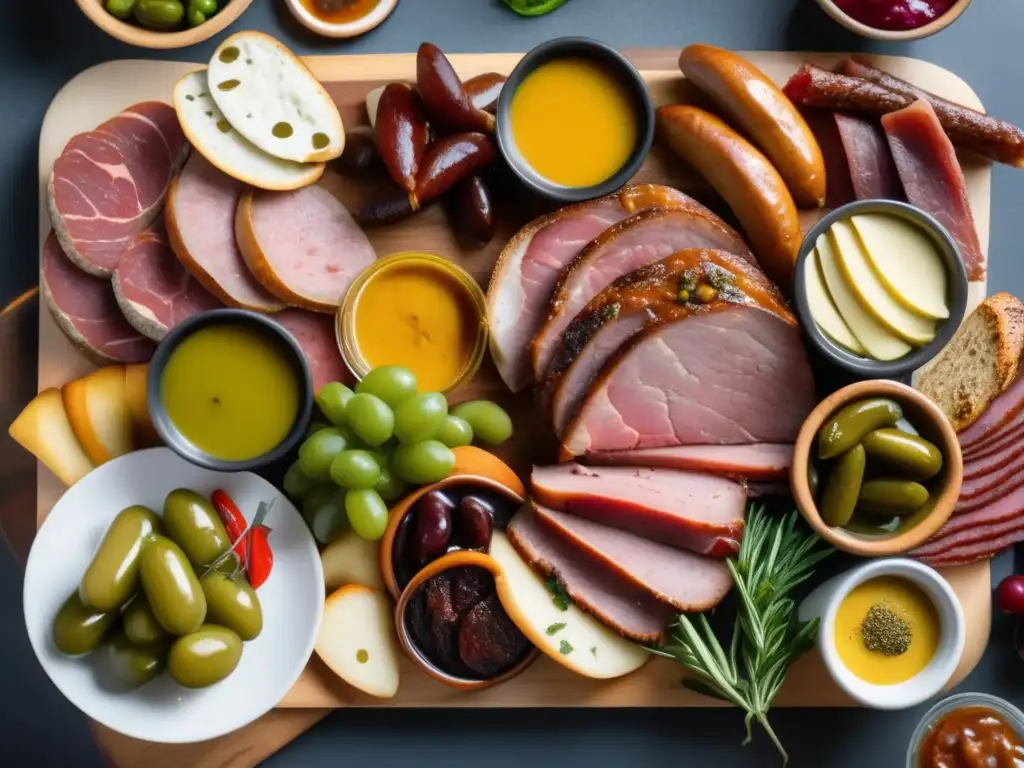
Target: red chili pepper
x,y
234,521
261,558
253,550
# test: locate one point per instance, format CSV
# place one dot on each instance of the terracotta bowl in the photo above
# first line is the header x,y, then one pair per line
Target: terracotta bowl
x,y
874,33
930,422
349,29
151,38
443,563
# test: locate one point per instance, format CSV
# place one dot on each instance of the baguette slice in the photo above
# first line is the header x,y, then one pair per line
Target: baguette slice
x,y
979,363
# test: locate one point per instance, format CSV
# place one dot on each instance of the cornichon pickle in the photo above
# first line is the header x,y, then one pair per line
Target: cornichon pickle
x,y
848,427
113,576
171,586
135,665
79,629
205,656
892,497
232,603
140,625
195,526
843,487
908,456
159,14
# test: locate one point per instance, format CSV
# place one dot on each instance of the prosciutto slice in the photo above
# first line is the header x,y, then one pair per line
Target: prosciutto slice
x,y
872,171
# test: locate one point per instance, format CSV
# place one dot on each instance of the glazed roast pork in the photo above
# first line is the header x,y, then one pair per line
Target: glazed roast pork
x,y
758,461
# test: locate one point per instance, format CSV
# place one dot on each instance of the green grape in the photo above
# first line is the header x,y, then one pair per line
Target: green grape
x,y
418,418
391,383
318,495
317,453
490,423
367,513
370,418
423,463
297,483
355,469
454,432
390,486
330,518
314,427
332,399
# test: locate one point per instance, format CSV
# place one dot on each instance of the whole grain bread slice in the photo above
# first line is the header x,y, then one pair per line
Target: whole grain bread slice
x,y
980,361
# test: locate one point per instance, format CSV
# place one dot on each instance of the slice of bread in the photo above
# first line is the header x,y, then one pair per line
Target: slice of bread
x,y
979,363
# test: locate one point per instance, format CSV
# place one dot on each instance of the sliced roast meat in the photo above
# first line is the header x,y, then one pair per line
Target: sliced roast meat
x,y
692,510
979,544
980,466
1005,507
981,500
108,185
1007,438
686,581
758,461
315,334
837,168
595,588
738,375
1003,412
200,217
872,171
529,267
977,486
85,309
633,243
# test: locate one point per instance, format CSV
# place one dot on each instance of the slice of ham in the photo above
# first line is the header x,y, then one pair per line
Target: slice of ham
x,y
998,415
984,499
986,465
759,461
108,185
315,334
200,217
937,545
684,580
691,510
1009,505
1007,438
932,179
982,543
872,170
153,289
86,311
598,590
978,485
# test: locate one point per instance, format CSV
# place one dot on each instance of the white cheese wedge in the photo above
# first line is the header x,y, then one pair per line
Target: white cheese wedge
x,y
907,262
100,414
873,336
273,100
44,431
358,641
212,135
823,309
351,559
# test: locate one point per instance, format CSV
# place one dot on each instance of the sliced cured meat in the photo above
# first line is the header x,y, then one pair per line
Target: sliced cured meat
x,y
302,246
108,185
1001,477
200,217
1000,412
976,533
983,499
686,581
635,242
692,510
528,269
932,177
1007,439
759,461
738,375
837,169
153,289
315,333
872,171
595,588
986,465
984,542
86,311
1008,506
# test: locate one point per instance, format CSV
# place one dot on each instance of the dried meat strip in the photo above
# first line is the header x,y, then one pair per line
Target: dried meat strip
x,y
872,170
813,86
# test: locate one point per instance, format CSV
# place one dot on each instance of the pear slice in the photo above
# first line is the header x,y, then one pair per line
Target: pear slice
x,y
873,336
358,641
823,309
43,429
351,559
99,412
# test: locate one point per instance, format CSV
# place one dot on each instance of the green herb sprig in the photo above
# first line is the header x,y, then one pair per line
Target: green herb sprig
x,y
534,7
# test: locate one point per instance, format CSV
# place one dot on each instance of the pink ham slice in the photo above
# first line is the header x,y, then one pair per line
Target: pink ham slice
x,y
985,465
692,510
872,171
982,499
85,310
979,543
1007,439
932,178
684,580
315,334
595,588
153,289
108,185
739,375
1000,413
978,485
759,461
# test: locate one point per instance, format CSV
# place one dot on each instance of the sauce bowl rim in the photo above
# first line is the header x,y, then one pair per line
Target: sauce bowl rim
x,y
1013,716
898,35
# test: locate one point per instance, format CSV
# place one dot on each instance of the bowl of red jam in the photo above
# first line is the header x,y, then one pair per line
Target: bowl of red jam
x,y
895,19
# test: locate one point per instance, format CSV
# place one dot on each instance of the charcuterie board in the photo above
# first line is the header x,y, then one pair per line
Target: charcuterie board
x,y
99,92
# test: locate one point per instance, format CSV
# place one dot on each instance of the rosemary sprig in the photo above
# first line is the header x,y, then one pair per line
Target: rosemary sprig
x,y
774,558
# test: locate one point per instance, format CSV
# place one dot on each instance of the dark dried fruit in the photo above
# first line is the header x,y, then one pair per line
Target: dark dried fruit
x,y
393,205
402,134
470,585
443,621
474,523
450,160
433,525
484,90
360,159
448,105
489,643
472,212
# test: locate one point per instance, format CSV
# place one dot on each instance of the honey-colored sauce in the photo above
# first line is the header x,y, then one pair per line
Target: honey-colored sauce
x,y
969,737
347,11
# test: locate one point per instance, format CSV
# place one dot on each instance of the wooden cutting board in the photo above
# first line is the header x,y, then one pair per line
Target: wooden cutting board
x,y
102,91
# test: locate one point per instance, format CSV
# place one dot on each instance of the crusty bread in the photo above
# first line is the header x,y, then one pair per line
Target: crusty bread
x,y
979,362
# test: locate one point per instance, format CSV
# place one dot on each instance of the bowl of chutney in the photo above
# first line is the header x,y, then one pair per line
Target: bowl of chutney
x,y
230,390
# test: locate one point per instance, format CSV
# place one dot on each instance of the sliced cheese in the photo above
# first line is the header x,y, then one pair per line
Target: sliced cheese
x,y
873,336
907,262
358,641
823,309
273,100
100,413
135,382
351,559
210,133
43,429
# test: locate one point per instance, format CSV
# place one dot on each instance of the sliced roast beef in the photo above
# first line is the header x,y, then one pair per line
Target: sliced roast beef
x,y
872,171
594,587
738,375
108,185
1002,414
758,461
529,267
315,334
686,581
692,510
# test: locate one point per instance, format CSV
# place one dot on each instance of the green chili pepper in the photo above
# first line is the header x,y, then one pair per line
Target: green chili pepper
x,y
534,7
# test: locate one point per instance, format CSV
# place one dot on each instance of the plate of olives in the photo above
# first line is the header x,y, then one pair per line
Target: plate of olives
x,y
140,601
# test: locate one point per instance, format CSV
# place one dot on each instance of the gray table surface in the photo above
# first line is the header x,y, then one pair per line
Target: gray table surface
x,y
44,44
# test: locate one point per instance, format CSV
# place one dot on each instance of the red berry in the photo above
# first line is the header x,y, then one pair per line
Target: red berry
x,y
1010,595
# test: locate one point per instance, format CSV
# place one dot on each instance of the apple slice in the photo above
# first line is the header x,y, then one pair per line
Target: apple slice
x,y
135,389
351,559
823,309
357,640
97,406
43,429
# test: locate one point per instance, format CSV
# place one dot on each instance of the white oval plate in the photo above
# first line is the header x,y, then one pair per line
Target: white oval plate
x,y
163,711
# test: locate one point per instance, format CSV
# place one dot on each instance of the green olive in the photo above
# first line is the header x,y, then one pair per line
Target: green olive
x,y
195,17
140,625
79,629
205,656
848,427
206,7
892,497
121,9
908,456
113,575
195,526
232,603
135,665
843,487
171,586
159,14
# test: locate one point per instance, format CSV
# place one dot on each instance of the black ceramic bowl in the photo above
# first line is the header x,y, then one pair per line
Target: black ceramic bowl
x,y
863,367
618,66
170,434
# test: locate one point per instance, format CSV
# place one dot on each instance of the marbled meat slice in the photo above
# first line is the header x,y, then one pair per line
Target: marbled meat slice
x,y
872,170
